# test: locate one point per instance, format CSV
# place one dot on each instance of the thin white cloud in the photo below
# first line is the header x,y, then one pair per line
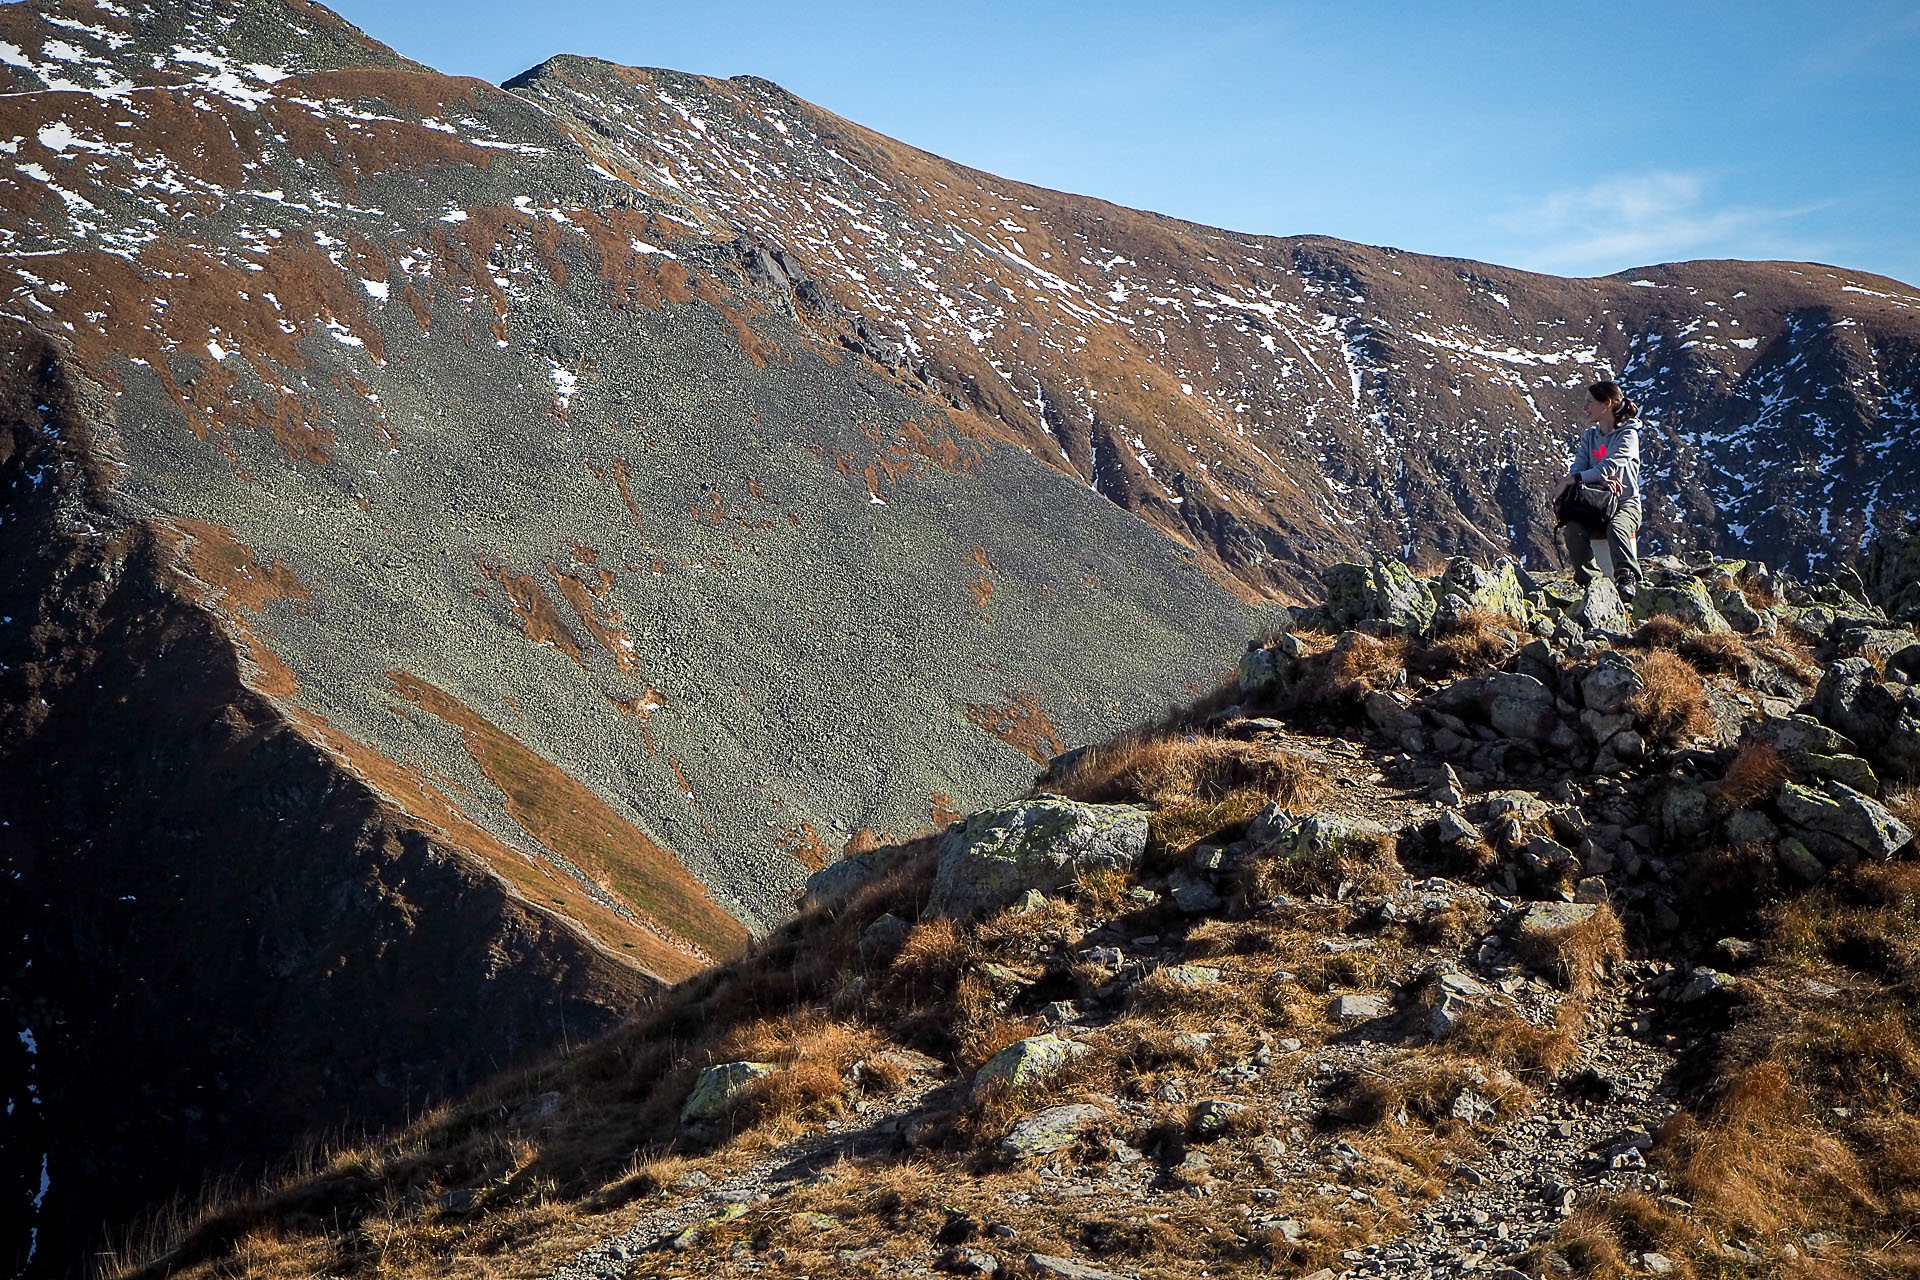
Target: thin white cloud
x,y
1637,219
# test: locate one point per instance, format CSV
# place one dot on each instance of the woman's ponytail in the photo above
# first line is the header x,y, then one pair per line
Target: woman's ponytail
x,y
1608,392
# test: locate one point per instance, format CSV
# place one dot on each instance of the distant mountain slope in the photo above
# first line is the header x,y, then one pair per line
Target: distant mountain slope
x,y
468,554
1286,402
446,595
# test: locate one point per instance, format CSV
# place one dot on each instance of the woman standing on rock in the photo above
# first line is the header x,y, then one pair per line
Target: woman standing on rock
x,y
1606,462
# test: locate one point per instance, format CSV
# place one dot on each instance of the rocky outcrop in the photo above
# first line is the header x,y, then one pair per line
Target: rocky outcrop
x,y
1882,718
1046,844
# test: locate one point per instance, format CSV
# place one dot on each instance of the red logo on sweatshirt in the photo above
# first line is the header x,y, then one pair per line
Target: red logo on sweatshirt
x,y
1600,451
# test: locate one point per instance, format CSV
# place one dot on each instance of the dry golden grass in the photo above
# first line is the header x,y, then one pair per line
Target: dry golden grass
x,y
1532,1052
1333,682
1672,707
1576,957
1753,775
1173,770
1661,631
1368,862
1904,802
1769,1158
1478,641
1719,653
816,1053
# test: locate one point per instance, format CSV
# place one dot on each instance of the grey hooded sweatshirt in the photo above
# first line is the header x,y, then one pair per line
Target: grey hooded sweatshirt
x,y
1600,456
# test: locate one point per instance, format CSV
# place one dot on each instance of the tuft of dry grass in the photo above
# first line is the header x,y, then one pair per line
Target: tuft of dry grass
x,y
1719,653
1172,770
1577,956
1754,774
1789,653
1334,681
1672,707
1903,800
1531,1051
1479,640
1661,631
817,1053
1369,863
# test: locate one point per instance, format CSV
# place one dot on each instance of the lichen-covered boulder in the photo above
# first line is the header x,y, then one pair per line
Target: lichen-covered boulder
x,y
1600,607
1837,811
1316,833
1610,685
1259,669
1794,734
1740,613
839,880
1032,1061
1495,590
717,1088
1400,599
1678,595
1050,1130
1385,591
1882,720
1046,843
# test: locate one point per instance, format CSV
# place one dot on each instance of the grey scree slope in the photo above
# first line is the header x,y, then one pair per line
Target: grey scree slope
x,y
815,670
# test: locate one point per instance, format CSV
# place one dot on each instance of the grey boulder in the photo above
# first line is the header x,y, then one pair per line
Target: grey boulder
x,y
1046,844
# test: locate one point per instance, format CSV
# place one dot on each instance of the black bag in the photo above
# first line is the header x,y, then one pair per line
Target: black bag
x,y
1591,505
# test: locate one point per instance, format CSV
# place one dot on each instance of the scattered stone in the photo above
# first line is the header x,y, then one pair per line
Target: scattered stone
x,y
1749,826
1703,983
1799,860
968,1262
1356,1008
1214,1116
1610,685
1600,608
1067,1269
1446,790
1191,976
1045,843
1451,828
884,936
1684,813
1193,895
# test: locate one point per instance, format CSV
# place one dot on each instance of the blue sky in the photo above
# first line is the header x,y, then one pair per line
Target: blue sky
x,y
1573,139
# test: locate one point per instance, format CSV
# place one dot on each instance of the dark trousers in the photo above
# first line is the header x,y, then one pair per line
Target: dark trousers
x,y
1620,535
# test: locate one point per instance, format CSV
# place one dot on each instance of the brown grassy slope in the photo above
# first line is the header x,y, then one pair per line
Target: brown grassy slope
x,y
1803,1158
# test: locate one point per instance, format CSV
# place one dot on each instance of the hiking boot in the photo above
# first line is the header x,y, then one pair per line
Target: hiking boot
x,y
1628,588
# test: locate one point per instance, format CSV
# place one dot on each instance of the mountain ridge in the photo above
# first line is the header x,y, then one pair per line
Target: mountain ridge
x,y
555,569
